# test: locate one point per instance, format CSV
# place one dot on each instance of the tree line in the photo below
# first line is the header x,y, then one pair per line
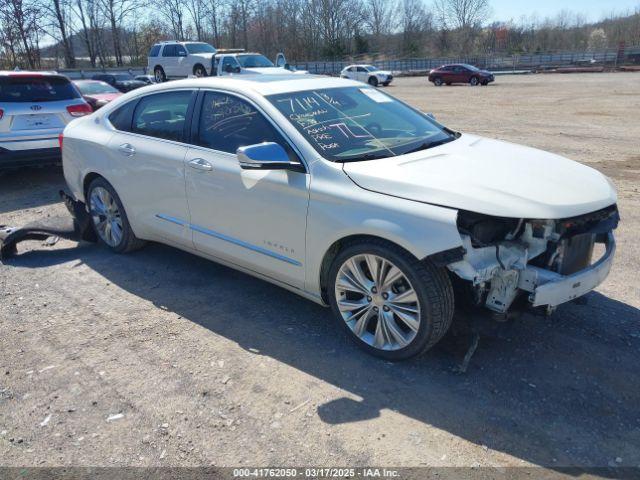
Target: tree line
x,y
97,33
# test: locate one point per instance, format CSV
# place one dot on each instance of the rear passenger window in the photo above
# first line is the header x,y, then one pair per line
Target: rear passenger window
x,y
121,117
154,51
228,122
169,51
162,115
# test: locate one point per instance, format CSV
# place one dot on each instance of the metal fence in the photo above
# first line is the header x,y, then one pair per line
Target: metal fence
x,y
542,61
494,62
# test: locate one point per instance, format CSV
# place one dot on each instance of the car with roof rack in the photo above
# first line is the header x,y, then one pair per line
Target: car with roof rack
x,y
345,195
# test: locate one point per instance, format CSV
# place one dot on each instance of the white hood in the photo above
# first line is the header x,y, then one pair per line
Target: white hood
x,y
491,177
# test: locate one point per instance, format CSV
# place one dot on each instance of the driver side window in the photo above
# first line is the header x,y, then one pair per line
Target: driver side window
x,y
228,122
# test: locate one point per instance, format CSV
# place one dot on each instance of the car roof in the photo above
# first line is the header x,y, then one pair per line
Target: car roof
x,y
88,80
260,84
30,73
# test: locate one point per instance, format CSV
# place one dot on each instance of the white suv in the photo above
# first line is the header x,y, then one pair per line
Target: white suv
x,y
183,59
34,109
368,74
343,194
174,59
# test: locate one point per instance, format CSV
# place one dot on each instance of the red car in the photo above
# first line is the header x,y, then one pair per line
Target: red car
x,y
460,73
97,93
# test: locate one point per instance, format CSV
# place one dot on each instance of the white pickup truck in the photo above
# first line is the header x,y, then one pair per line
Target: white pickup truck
x,y
173,59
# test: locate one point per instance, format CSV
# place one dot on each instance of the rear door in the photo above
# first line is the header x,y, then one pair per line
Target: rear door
x,y
169,60
146,168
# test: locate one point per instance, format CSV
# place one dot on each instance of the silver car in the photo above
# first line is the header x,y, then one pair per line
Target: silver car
x,y
345,195
34,109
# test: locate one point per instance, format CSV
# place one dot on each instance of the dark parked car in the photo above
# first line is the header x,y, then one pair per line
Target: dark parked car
x,y
122,81
460,73
148,79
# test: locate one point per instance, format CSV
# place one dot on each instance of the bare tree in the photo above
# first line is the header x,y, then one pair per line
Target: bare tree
x,y
21,20
59,13
116,12
462,14
174,12
380,19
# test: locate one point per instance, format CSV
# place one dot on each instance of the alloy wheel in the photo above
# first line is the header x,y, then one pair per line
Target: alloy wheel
x,y
377,302
106,216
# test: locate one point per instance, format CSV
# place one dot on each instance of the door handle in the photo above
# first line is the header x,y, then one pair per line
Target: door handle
x,y
200,164
127,149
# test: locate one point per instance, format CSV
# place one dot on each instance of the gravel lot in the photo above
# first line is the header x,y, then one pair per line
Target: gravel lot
x,y
162,358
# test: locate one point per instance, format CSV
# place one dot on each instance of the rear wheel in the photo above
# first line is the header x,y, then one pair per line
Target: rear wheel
x,y
473,81
159,75
437,82
109,218
391,304
199,71
373,81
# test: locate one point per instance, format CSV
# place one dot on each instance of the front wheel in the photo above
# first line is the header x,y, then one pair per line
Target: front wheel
x,y
391,304
109,219
437,82
474,81
199,71
373,81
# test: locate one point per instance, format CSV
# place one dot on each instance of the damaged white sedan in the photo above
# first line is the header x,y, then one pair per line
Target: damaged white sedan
x,y
345,195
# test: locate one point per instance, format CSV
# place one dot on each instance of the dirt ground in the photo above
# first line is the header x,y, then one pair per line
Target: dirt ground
x,y
162,358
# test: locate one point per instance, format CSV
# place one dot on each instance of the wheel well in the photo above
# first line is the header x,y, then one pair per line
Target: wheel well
x,y
336,247
198,65
158,67
90,177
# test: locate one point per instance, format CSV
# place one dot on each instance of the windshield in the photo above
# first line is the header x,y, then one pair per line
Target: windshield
x,y
370,68
359,123
255,61
471,67
88,88
37,88
200,48
122,76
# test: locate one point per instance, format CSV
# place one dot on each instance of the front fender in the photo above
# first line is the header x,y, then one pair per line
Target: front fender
x,y
338,209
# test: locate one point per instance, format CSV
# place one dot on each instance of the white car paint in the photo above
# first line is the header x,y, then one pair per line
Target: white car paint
x,y
363,73
491,177
280,225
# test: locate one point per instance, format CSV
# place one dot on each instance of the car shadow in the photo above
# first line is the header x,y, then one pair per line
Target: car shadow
x,y
554,391
38,181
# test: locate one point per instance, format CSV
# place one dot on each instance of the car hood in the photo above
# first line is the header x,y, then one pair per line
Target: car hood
x,y
204,55
491,177
382,72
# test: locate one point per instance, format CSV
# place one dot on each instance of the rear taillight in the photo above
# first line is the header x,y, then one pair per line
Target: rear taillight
x,y
79,110
60,138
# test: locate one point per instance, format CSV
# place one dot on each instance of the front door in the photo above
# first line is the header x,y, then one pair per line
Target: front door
x,y
252,218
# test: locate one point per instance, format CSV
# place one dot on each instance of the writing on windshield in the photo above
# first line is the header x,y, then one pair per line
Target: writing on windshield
x,y
355,123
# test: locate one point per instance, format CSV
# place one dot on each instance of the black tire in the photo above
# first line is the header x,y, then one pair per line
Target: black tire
x,y
159,75
129,241
484,83
474,81
431,284
199,71
373,81
437,82
448,84
386,84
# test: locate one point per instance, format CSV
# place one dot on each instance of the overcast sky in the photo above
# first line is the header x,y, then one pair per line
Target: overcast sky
x,y
504,10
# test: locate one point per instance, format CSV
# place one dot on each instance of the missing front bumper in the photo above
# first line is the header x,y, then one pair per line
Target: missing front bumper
x,y
552,289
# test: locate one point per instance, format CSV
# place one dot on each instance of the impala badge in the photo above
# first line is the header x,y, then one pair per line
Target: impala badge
x,y
35,108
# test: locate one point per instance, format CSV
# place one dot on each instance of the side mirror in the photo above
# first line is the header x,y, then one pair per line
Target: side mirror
x,y
228,68
265,156
236,69
182,53
287,66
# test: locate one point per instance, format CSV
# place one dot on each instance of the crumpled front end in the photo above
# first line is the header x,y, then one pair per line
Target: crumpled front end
x,y
543,262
